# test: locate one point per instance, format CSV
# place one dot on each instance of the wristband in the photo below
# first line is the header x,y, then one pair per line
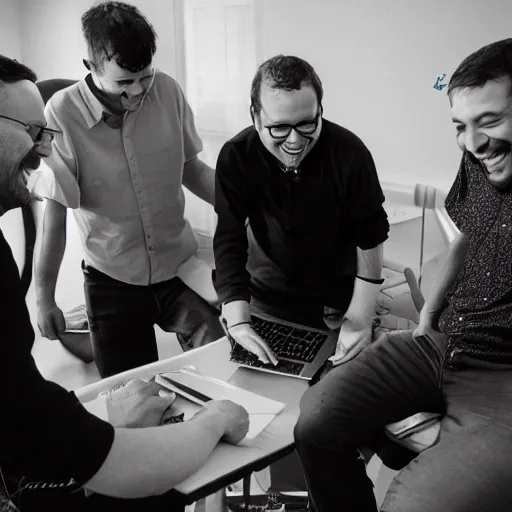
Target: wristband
x,y
239,323
368,280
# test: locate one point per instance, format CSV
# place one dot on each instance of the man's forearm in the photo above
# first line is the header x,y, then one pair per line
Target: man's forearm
x,y
451,268
369,262
199,178
364,296
150,461
51,244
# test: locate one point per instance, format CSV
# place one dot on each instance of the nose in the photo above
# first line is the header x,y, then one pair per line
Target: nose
x,y
135,89
475,141
44,146
294,137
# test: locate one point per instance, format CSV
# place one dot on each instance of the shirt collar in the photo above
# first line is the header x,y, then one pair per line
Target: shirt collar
x,y
93,108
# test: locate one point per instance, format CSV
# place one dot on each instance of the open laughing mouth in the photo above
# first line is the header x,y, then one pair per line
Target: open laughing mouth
x,y
493,163
293,152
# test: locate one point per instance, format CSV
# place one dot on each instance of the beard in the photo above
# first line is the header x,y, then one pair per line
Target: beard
x,y
13,180
31,161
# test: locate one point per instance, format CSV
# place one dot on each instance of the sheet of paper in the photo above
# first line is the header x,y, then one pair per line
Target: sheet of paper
x,y
261,410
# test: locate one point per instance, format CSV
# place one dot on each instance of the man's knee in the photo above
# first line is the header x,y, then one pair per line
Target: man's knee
x,y
316,425
309,430
199,327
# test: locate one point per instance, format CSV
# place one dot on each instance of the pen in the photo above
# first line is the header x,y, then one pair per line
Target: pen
x,y
186,389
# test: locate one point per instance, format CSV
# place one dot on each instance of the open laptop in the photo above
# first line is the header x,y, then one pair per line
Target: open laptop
x,y
301,351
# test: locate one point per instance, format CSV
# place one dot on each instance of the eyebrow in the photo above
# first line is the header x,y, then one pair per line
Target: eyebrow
x,y
274,125
132,79
481,116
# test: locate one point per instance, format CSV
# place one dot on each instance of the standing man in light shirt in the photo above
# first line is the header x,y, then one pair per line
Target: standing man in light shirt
x,y
129,144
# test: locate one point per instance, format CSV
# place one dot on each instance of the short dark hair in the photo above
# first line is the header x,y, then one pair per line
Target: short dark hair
x,y
284,72
490,62
12,71
119,31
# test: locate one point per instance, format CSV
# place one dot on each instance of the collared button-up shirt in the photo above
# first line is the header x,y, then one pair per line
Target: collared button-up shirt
x,y
478,317
125,185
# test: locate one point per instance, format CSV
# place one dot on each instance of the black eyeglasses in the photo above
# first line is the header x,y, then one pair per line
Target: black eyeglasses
x,y
35,131
282,131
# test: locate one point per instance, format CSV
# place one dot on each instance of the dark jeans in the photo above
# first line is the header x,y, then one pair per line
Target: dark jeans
x,y
467,470
122,318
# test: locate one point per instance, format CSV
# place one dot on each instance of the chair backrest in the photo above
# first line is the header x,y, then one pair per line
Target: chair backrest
x,y
47,88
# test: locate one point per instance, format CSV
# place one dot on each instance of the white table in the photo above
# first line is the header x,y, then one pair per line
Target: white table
x,y
227,464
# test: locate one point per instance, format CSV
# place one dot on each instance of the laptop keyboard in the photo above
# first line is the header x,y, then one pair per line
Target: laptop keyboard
x,y
241,356
286,342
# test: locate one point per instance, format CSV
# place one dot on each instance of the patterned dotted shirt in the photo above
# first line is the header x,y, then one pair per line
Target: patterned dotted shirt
x,y
478,318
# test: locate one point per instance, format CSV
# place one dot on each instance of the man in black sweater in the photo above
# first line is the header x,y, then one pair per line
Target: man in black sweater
x,y
300,217
50,446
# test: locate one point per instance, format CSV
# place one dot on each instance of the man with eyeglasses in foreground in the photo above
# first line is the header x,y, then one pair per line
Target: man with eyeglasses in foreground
x,y
50,446
300,217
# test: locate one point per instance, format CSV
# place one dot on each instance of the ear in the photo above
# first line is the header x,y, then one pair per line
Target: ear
x,y
91,66
256,120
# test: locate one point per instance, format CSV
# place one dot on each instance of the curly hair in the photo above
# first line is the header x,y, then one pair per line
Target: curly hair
x,y
119,31
490,62
284,72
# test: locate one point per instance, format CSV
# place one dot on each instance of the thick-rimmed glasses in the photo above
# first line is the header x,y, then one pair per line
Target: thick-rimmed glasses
x,y
305,128
36,131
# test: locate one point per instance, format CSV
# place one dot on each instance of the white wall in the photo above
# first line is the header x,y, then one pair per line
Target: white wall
x,y
379,60
9,29
52,41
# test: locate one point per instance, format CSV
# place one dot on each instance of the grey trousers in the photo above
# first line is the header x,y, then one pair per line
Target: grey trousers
x,y
469,469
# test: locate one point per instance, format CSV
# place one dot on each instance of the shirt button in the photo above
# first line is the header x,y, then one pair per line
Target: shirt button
x,y
151,247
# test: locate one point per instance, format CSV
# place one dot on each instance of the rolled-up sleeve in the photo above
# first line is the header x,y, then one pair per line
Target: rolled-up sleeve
x,y
57,178
230,240
369,221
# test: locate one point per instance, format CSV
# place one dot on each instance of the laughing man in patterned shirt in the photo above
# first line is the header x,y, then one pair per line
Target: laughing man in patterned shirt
x,y
462,368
